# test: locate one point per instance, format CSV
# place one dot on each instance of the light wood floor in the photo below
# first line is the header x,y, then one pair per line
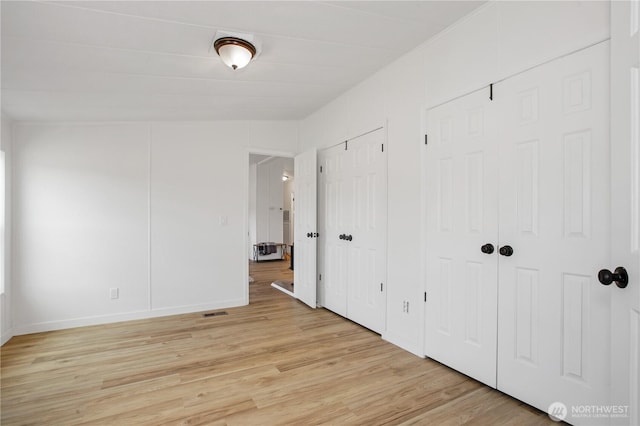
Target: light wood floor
x,y
272,362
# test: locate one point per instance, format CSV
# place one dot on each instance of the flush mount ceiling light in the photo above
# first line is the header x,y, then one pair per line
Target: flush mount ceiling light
x,y
235,52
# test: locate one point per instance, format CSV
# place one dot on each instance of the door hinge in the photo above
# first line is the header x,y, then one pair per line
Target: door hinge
x,y
381,287
346,145
425,139
491,91
382,147
320,169
320,277
425,296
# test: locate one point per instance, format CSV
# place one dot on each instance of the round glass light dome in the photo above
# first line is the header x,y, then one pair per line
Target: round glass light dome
x,y
234,52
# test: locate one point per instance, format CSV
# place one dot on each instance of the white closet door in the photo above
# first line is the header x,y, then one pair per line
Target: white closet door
x,y
461,280
305,188
366,236
334,219
554,315
625,205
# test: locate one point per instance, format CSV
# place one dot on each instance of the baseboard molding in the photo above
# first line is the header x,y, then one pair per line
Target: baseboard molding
x,y
6,336
284,290
129,316
403,343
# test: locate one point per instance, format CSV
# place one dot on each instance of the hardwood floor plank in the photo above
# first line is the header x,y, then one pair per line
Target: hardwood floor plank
x,y
274,362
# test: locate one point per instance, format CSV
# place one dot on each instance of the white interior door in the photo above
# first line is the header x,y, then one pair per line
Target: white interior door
x,y
334,221
625,207
306,233
366,236
554,315
461,193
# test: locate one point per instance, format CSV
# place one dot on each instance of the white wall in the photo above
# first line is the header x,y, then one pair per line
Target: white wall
x,y
81,228
6,320
269,201
504,38
199,185
275,207
253,193
158,210
493,42
273,137
286,203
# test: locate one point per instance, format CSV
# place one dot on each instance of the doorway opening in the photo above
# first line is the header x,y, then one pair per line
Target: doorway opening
x,y
271,223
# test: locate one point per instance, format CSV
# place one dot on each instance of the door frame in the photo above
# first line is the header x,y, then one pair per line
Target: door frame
x,y
625,328
245,224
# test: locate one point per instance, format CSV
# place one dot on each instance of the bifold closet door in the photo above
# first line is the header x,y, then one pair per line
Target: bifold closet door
x,y
554,315
625,204
367,235
334,219
353,209
462,217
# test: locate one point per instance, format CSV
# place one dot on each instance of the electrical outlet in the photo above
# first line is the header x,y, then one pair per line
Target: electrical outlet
x,y
114,292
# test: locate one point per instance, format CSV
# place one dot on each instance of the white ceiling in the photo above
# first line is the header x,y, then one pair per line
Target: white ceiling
x,y
153,60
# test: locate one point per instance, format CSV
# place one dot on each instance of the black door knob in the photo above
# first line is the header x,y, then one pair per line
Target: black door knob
x,y
487,248
315,235
506,251
348,237
308,234
342,236
619,276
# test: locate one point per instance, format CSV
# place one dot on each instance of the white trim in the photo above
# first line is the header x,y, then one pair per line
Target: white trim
x,y
284,290
245,227
403,343
422,131
6,336
349,139
271,152
149,218
366,133
129,316
245,189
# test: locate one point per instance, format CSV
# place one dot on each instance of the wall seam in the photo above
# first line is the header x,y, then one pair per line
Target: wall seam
x,y
149,250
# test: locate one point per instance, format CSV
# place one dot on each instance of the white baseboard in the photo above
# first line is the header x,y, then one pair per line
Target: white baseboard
x,y
284,290
6,336
403,343
129,316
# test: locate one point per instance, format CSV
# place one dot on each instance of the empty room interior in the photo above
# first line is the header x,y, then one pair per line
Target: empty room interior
x,y
320,212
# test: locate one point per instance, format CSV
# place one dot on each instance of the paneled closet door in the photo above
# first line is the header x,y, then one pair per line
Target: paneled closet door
x,y
554,315
625,205
461,257
334,219
306,232
367,234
